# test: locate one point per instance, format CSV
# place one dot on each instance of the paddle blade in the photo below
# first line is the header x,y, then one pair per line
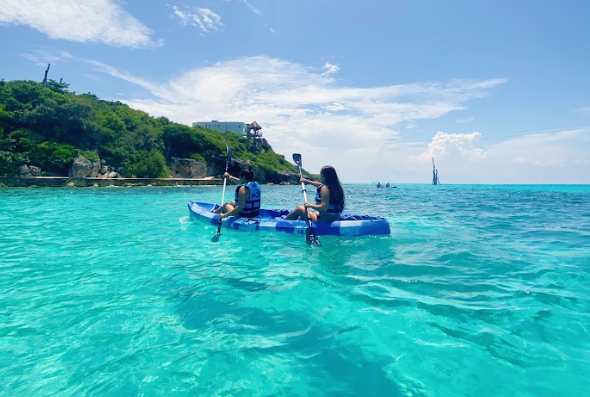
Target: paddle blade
x,y
311,238
297,159
228,153
218,234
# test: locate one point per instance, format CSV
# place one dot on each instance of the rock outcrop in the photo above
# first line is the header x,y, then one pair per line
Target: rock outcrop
x,y
23,171
236,166
35,171
187,168
26,171
284,178
182,168
84,168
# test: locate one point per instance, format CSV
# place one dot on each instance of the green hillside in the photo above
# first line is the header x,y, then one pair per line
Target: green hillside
x,y
48,127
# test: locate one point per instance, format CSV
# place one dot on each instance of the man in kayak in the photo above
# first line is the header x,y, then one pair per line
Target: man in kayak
x,y
247,200
329,199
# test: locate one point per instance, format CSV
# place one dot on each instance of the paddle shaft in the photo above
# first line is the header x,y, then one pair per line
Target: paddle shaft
x,y
223,191
304,190
310,236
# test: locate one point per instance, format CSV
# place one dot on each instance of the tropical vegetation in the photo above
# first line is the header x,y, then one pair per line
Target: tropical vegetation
x,y
48,126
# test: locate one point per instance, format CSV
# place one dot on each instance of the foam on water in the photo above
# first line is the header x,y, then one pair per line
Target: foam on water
x,y
480,290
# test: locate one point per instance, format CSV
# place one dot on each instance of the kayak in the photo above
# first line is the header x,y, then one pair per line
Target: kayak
x,y
272,220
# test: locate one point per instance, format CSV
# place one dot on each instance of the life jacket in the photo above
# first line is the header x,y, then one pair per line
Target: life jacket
x,y
335,206
252,205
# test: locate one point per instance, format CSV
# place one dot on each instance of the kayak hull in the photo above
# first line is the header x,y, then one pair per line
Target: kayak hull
x,y
271,220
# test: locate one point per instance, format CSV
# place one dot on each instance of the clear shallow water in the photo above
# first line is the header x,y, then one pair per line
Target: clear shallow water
x,y
479,291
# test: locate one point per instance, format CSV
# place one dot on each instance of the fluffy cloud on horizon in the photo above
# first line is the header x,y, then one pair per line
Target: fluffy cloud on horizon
x,y
99,21
443,144
304,110
551,157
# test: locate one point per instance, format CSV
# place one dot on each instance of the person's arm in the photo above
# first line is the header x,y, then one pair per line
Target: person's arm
x,y
242,196
310,182
230,177
325,196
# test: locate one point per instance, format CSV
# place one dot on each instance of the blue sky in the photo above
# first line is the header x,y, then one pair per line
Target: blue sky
x,y
496,91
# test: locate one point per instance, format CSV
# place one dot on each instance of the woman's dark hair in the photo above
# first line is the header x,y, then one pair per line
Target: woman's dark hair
x,y
248,174
333,183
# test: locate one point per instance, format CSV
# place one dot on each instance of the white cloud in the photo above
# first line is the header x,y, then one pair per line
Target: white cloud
x,y
453,144
306,111
464,120
92,77
38,60
553,157
42,58
330,69
203,18
250,6
356,129
156,90
101,21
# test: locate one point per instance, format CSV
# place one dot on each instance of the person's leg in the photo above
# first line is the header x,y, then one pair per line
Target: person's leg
x,y
225,208
228,208
298,212
313,216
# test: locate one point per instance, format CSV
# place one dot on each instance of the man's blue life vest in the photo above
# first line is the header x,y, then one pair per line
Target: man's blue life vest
x,y
335,206
252,205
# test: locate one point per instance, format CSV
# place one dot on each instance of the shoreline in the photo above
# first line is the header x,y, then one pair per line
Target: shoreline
x,y
64,181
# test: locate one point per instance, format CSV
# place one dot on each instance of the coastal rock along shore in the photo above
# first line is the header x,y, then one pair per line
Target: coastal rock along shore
x,y
96,173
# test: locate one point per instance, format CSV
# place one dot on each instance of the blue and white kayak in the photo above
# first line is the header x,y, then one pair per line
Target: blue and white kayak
x,y
273,221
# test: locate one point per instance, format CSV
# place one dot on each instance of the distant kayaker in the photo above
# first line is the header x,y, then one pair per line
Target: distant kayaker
x,y
378,184
247,197
387,184
329,199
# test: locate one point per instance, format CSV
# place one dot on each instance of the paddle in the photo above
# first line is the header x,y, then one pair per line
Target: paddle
x,y
310,236
216,237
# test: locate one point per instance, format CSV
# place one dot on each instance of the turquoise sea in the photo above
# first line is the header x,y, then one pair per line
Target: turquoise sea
x,y
478,291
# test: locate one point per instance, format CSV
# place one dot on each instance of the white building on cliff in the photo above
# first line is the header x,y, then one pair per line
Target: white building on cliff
x,y
224,126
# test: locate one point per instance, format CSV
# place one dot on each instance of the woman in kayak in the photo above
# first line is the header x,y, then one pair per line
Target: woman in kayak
x,y
247,198
329,199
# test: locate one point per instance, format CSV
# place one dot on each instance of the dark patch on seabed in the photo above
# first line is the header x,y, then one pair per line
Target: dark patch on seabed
x,y
310,344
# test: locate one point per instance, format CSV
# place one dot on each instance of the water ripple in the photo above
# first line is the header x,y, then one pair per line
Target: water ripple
x,y
119,292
